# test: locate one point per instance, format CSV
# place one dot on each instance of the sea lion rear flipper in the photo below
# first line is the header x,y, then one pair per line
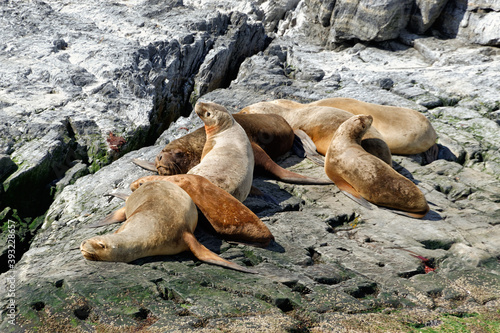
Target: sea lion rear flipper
x,y
417,215
115,217
351,192
119,195
303,146
265,162
228,216
145,164
205,255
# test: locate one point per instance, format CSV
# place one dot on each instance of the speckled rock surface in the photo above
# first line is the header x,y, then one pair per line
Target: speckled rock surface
x,y
334,266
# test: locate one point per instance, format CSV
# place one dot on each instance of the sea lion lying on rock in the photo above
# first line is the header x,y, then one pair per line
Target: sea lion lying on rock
x,y
160,220
363,176
270,136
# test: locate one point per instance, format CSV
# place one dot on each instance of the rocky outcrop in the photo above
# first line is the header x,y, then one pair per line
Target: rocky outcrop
x,y
77,71
77,76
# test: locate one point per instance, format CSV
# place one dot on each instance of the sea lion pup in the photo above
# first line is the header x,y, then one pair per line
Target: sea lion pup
x,y
227,158
405,131
270,136
363,176
320,123
230,218
160,220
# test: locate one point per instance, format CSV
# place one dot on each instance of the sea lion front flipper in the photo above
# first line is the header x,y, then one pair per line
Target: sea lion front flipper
x,y
351,192
205,255
263,160
303,146
145,164
115,217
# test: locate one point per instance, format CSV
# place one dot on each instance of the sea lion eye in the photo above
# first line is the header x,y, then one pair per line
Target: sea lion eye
x,y
102,245
160,157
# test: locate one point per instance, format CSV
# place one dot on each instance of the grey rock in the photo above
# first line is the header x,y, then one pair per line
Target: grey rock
x,y
424,14
476,22
71,72
333,264
367,21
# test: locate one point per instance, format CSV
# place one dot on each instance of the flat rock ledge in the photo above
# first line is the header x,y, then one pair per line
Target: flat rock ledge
x,y
334,266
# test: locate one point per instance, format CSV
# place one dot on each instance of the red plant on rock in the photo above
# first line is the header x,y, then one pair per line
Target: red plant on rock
x,y
115,142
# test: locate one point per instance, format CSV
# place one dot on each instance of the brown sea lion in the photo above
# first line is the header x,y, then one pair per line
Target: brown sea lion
x,y
319,123
230,218
227,158
363,176
405,131
160,220
270,136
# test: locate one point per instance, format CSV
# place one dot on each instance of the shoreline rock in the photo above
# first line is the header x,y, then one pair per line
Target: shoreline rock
x,y
333,262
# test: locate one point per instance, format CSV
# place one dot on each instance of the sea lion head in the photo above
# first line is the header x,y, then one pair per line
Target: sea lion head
x,y
173,162
97,248
103,248
215,116
357,126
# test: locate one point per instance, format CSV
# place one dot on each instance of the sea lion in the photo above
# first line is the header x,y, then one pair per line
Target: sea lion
x,y
405,131
270,135
227,158
363,176
230,218
320,123
160,220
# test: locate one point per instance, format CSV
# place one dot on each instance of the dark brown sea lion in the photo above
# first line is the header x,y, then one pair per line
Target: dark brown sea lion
x,y
270,135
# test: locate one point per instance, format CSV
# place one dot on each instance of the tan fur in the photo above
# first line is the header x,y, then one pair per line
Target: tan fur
x,y
405,131
152,226
228,159
320,123
349,165
229,217
160,220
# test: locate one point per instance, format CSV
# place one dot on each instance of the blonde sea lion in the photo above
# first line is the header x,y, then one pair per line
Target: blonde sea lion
x,y
319,123
405,131
270,135
363,176
160,220
227,159
230,218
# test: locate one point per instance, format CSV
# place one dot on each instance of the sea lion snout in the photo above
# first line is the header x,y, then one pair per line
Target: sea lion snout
x,y
90,247
365,120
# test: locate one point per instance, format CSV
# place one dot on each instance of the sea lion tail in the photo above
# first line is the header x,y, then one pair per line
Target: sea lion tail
x,y
115,217
205,255
145,164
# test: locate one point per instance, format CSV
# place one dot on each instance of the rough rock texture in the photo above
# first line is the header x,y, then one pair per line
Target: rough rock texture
x,y
77,71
